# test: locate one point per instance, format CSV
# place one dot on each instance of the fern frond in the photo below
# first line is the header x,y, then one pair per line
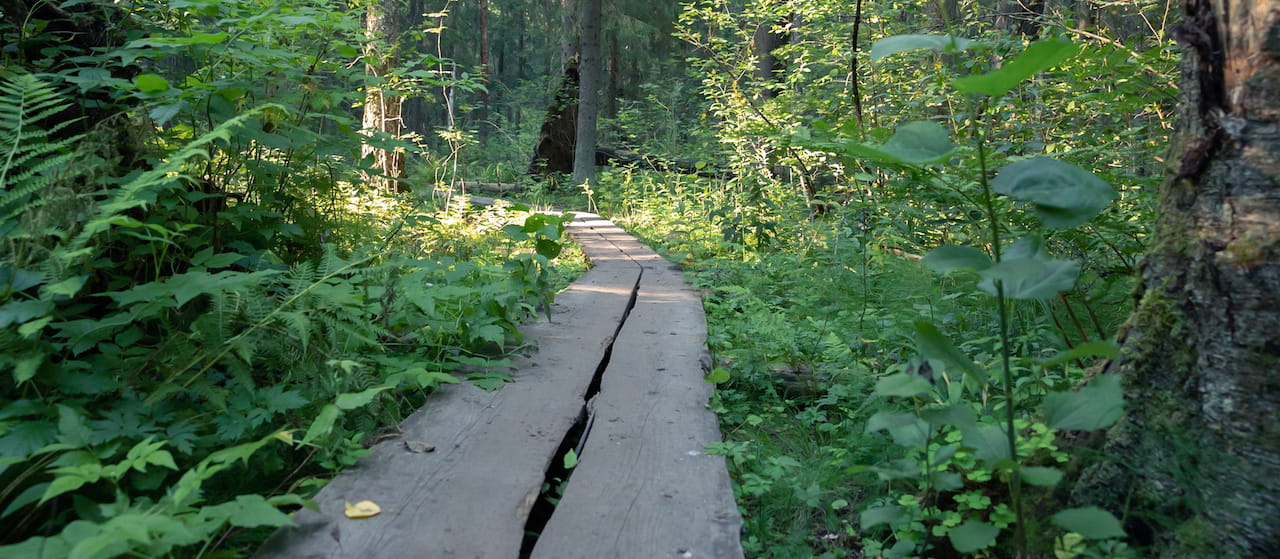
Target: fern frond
x,y
28,155
134,193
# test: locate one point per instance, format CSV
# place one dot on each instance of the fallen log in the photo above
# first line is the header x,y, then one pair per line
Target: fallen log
x,y
487,186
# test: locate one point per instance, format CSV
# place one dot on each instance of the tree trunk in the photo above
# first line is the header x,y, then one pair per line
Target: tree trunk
x,y
568,41
381,103
584,154
555,149
613,80
482,112
1196,462
768,70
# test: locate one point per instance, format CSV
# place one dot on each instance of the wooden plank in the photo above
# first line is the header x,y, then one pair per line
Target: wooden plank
x,y
472,496
643,486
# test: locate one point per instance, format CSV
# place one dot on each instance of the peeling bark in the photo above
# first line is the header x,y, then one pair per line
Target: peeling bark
x,y
1195,465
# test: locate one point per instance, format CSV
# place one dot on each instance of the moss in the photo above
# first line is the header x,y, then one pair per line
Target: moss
x,y
1195,534
1244,252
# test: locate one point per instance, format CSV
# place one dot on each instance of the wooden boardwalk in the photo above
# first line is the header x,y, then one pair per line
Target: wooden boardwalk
x,y
618,375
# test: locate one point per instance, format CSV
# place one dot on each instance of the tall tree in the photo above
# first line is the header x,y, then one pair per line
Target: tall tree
x,y
568,41
1200,447
381,102
768,37
584,153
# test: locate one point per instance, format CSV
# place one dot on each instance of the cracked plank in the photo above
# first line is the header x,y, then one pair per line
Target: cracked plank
x,y
472,496
643,487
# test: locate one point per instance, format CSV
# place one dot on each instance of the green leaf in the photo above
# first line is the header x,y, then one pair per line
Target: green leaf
x,y
490,333
63,484
72,429
1030,247
959,415
355,400
27,497
990,443
35,326
548,248
1030,279
1063,194
1096,406
880,515
718,375
247,511
150,83
19,312
26,437
905,428
68,287
1039,475
902,385
933,345
1090,522
919,143
26,368
1039,56
1101,348
323,424
949,258
902,43
973,536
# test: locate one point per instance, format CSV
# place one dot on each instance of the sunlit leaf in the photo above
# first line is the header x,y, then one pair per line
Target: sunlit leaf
x,y
150,83
1096,406
362,509
718,375
358,399
323,423
902,43
1039,56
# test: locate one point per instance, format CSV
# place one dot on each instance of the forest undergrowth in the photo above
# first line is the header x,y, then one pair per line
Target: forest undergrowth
x,y
209,302
916,236
884,389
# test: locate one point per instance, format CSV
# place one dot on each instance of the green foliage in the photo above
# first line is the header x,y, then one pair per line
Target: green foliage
x,y
32,155
868,411
222,297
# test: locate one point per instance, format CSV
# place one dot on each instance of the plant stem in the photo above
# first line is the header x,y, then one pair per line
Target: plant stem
x,y
1002,309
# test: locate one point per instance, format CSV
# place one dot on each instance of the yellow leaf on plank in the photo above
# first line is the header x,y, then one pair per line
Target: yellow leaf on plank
x,y
363,509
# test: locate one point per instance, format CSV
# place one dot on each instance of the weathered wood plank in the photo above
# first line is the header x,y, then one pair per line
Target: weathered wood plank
x,y
472,496
643,487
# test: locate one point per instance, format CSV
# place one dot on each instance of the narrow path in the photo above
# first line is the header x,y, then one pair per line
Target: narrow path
x,y
617,376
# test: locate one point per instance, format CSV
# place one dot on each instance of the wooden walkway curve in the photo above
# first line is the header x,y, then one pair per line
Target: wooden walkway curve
x,y
618,375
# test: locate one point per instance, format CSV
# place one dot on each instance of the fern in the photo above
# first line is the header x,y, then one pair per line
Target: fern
x,y
139,192
29,154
